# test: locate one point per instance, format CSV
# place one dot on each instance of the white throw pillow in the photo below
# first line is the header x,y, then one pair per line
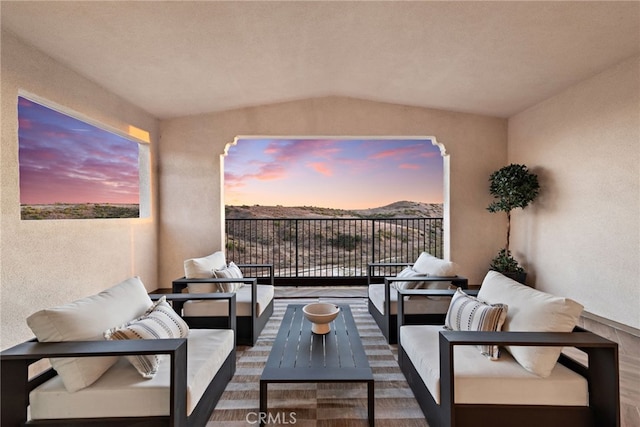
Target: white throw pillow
x,y
232,271
160,321
86,320
467,313
534,311
203,268
407,272
433,266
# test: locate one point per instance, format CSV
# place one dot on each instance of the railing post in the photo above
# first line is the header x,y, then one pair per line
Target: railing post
x,y
373,241
297,246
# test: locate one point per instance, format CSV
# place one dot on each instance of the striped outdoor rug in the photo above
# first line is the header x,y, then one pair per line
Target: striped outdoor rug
x,y
328,404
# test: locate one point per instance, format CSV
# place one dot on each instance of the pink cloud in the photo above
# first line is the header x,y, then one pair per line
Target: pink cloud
x,y
294,150
430,154
25,123
409,166
397,152
321,168
264,172
270,172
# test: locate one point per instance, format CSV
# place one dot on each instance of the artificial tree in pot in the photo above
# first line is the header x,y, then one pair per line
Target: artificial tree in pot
x,y
512,187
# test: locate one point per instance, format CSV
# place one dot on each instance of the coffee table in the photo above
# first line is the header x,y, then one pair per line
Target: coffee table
x,y
300,356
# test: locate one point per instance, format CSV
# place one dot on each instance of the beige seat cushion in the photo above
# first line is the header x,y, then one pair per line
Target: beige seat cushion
x,y
480,380
121,391
413,305
243,303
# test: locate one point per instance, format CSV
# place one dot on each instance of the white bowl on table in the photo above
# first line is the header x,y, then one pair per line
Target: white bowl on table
x,y
321,314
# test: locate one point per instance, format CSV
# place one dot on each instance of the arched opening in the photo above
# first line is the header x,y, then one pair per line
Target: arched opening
x,y
322,208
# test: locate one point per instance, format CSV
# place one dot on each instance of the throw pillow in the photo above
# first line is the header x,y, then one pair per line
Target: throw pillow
x,y
467,313
533,311
433,266
160,321
203,268
232,271
407,272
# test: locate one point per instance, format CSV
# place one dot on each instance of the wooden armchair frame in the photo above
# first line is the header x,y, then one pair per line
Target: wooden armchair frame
x,y
16,384
602,374
248,327
387,322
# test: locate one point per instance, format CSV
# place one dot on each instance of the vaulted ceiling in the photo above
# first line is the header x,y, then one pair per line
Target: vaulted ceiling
x,y
189,57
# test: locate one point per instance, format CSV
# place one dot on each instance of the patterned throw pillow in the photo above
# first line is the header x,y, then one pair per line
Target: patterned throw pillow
x,y
232,271
467,313
160,321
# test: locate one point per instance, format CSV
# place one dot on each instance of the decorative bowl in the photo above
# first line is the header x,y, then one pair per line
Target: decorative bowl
x,y
320,314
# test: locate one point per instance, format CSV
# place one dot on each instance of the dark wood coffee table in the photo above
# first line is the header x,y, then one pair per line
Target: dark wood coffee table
x,y
300,356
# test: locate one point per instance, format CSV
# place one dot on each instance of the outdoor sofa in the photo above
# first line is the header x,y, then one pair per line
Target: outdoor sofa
x,y
254,295
427,272
531,383
175,381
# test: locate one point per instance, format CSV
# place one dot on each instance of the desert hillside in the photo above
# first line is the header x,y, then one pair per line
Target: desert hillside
x,y
402,209
315,241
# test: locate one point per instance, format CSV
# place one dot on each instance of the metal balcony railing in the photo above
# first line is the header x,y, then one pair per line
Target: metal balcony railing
x,y
313,251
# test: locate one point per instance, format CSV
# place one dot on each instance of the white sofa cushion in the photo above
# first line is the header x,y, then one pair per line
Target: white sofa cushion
x,y
86,320
121,391
264,294
413,305
467,313
480,380
160,321
203,268
533,311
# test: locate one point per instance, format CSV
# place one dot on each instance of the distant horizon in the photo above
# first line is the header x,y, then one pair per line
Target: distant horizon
x,y
337,173
329,207
79,203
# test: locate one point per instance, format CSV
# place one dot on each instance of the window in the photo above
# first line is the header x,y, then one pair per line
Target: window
x,y
70,169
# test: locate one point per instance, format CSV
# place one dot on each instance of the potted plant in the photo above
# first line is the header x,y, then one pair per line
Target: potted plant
x,y
512,187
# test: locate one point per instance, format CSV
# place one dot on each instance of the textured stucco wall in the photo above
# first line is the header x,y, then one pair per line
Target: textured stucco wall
x,y
47,263
191,186
581,239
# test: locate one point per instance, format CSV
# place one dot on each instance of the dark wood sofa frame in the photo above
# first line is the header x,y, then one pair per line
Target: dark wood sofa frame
x,y
249,327
602,374
16,384
388,323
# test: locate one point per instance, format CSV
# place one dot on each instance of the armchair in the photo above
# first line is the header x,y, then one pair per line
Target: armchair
x,y
254,295
91,384
532,383
428,272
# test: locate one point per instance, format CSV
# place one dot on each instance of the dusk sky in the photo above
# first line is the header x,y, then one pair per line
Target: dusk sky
x,y
333,173
64,160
